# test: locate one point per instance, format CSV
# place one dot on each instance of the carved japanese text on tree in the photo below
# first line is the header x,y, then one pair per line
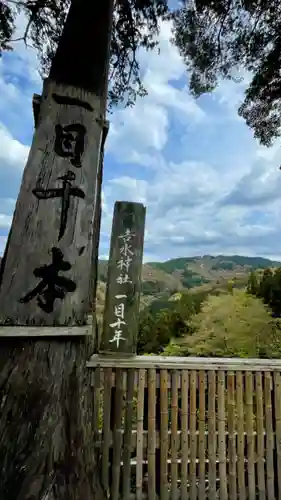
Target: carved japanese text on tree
x,y
71,101
70,142
55,210
65,192
52,286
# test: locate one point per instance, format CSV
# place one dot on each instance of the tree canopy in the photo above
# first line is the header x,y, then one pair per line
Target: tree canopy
x,y
135,26
215,38
218,37
230,325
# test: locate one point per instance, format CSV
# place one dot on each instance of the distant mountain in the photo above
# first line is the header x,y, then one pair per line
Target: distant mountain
x,y
190,272
160,280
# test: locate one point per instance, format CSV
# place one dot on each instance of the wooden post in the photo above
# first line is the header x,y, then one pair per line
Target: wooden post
x,y
47,276
47,413
120,326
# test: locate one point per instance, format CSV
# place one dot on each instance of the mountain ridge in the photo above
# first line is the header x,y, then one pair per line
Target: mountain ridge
x,y
193,272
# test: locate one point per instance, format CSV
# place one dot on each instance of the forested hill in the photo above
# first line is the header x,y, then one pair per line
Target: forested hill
x,y
194,272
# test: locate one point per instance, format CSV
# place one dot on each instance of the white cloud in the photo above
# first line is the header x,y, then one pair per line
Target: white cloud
x,y
195,204
3,241
145,126
12,152
230,94
189,213
5,221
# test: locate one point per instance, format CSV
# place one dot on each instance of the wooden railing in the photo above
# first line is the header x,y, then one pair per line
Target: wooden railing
x,y
189,428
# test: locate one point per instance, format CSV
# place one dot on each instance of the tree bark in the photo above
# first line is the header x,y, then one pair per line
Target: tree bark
x,y
46,425
82,57
46,398
96,242
54,214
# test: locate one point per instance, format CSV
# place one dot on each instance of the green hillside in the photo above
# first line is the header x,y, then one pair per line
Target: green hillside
x,y
223,305
207,275
193,272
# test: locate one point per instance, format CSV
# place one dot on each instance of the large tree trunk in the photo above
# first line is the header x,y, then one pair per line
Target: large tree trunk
x,y
46,426
46,398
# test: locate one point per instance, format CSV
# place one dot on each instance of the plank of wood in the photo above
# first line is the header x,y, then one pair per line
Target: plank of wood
x,y
260,435
46,278
221,431
277,402
193,440
184,434
212,434
106,429
117,436
174,435
250,436
186,363
231,436
45,331
121,314
269,435
202,437
151,444
164,436
96,384
240,436
140,412
127,443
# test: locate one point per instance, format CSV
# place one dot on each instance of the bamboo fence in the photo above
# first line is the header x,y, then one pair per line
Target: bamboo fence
x,y
188,428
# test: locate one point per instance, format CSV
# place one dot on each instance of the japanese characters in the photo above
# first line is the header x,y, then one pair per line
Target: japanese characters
x,y
123,264
121,314
52,286
65,192
69,143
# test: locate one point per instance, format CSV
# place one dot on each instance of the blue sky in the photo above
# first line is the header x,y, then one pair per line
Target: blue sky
x,y
208,186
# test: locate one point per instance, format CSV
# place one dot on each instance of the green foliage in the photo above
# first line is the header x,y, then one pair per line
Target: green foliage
x,y
135,26
253,262
158,305
215,39
268,288
171,265
225,265
230,286
190,279
152,287
220,262
253,285
102,270
158,328
174,349
239,260
232,325
218,37
7,26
